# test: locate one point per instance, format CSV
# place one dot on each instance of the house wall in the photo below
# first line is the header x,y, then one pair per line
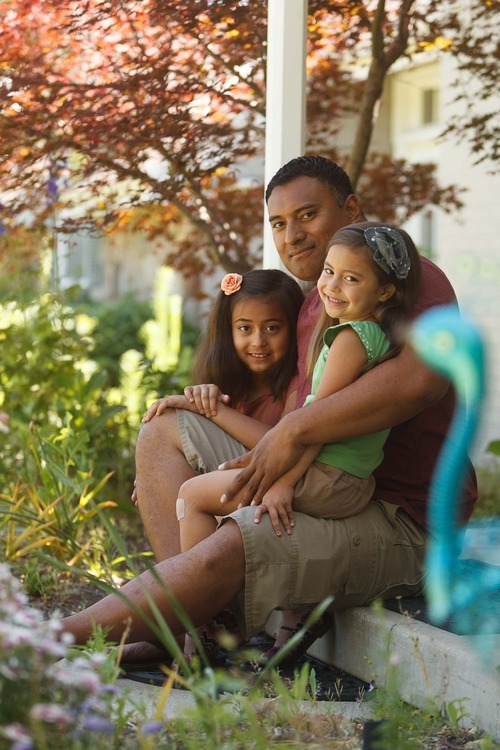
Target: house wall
x,y
464,243
469,250
124,262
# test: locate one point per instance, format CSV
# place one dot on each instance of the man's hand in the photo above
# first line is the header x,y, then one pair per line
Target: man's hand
x,y
205,397
278,503
275,453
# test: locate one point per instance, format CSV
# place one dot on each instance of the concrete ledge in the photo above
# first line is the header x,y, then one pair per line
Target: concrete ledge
x,y
145,698
431,665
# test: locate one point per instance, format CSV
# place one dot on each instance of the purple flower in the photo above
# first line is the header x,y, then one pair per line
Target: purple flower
x,y
152,727
109,690
57,179
52,188
98,724
3,228
91,705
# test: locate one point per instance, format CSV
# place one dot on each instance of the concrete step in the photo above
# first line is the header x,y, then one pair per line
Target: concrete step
x,y
426,665
429,665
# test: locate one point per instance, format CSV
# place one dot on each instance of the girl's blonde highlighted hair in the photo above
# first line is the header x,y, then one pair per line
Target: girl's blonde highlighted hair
x,y
391,314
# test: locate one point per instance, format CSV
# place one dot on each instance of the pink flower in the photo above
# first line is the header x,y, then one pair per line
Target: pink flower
x,y
4,418
231,283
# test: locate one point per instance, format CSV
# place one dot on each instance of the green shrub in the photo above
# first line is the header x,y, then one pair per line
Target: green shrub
x,y
49,379
117,329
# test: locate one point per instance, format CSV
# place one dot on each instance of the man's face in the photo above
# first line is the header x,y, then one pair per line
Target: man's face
x,y
304,216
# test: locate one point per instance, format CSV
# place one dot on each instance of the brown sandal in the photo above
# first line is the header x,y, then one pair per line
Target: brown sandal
x,y
209,634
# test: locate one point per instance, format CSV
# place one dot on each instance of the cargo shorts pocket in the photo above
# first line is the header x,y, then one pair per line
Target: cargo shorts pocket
x,y
387,552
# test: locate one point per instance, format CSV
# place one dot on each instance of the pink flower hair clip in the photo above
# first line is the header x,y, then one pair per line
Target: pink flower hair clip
x,y
231,283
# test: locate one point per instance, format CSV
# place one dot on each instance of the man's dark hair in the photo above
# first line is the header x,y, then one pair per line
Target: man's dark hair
x,y
319,168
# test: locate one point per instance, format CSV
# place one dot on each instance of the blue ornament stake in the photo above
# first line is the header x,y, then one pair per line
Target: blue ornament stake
x,y
451,344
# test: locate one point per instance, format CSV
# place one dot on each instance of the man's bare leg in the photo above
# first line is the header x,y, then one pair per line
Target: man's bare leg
x,y
161,469
203,580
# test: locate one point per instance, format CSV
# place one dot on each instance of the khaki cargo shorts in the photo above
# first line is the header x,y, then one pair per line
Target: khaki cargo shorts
x,y
204,444
376,553
328,492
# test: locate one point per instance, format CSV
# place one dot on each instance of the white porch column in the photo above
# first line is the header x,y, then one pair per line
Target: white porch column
x,y
285,97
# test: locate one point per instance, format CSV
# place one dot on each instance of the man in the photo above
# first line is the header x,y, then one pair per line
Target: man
x,y
377,553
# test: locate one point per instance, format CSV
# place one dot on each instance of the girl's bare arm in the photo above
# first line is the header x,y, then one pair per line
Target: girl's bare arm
x,y
345,359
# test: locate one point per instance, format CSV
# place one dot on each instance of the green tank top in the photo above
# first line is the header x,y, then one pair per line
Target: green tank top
x,y
358,456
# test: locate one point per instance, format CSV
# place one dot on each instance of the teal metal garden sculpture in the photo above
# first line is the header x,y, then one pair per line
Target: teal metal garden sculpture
x,y
465,591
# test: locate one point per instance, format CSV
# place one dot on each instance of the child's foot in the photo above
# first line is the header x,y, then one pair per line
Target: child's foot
x,y
189,647
293,622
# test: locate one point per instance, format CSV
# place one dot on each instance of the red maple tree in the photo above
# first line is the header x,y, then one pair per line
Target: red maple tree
x,y
109,106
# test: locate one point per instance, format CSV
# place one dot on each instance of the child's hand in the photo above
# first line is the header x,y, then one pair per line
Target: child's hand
x,y
157,407
278,503
169,402
133,496
205,398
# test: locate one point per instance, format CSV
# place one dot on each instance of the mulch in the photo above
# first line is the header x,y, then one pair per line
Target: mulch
x,y
332,684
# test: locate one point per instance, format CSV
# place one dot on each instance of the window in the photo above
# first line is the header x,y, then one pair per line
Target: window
x,y
427,235
430,106
78,260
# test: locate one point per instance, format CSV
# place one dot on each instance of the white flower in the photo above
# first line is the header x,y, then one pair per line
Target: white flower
x,y
51,712
60,674
15,636
15,732
29,650
88,681
52,648
8,672
95,660
68,639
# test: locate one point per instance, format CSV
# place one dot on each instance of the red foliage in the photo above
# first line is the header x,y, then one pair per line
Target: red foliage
x,y
110,105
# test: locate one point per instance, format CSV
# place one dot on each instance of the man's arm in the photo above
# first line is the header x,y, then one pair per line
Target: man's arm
x,y
388,395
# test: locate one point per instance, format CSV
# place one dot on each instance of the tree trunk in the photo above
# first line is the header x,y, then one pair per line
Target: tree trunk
x,y
382,59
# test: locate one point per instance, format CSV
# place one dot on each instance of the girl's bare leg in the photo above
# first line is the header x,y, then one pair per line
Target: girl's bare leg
x,y
197,507
202,580
199,504
290,619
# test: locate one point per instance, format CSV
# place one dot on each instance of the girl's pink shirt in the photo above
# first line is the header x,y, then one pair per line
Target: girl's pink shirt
x,y
267,409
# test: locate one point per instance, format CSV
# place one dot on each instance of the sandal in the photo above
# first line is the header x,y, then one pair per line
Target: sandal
x,y
209,635
313,632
